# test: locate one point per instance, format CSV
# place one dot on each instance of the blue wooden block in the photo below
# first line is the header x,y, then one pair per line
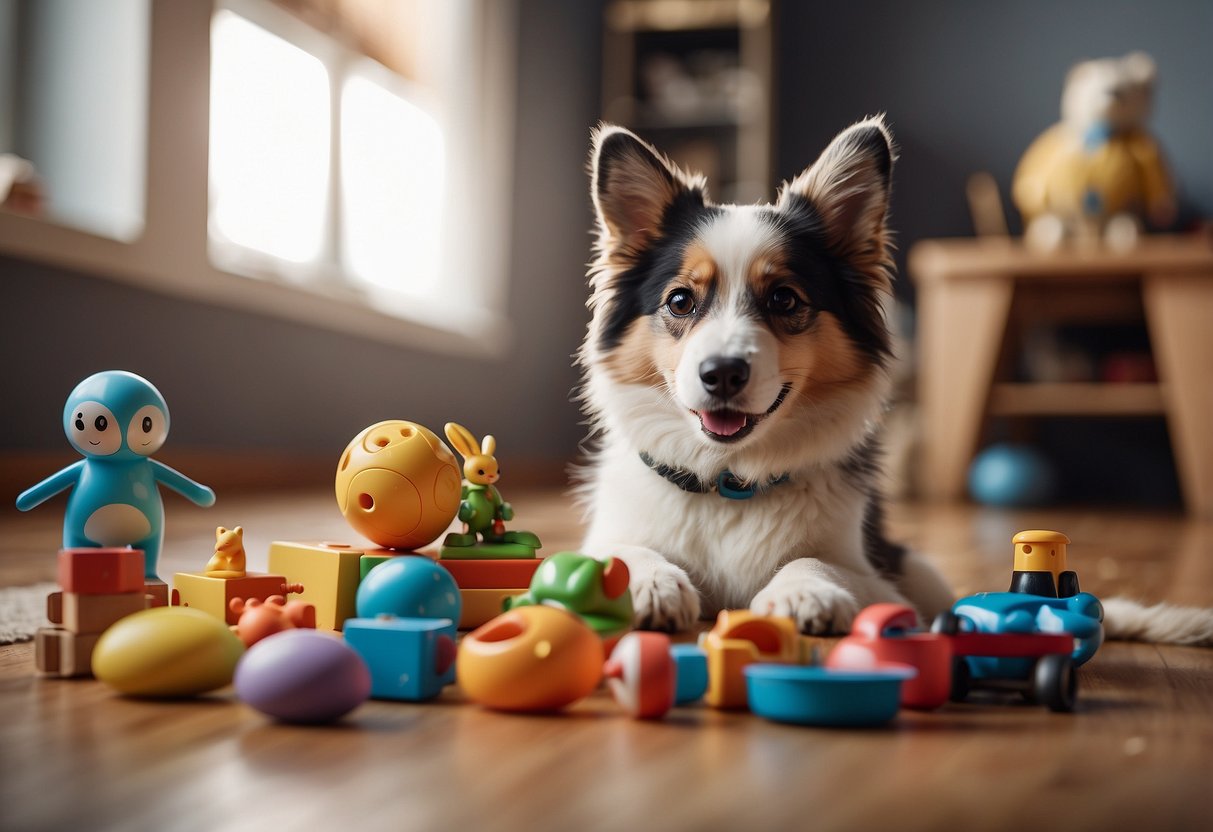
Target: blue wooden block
x,y
410,658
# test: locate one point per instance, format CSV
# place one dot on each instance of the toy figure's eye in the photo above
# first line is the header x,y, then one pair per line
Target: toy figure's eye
x,y
147,430
480,472
89,429
681,303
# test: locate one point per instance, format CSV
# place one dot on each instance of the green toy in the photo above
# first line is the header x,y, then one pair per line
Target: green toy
x,y
595,590
482,509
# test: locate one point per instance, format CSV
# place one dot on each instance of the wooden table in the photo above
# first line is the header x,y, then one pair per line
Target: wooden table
x,y
970,291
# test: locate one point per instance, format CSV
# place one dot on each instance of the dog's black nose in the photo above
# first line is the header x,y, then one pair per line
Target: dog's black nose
x,y
724,377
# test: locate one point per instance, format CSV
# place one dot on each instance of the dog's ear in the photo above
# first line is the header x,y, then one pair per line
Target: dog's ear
x,y
849,186
633,187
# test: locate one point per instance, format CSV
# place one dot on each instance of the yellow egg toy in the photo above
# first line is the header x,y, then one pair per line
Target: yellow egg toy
x,y
398,485
530,659
167,652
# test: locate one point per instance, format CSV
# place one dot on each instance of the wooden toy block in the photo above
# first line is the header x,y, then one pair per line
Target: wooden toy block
x,y
410,658
54,607
94,613
492,574
483,605
156,591
214,595
100,571
330,574
63,653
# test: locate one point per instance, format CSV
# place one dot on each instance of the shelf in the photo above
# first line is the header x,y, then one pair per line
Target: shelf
x,y
686,15
1076,399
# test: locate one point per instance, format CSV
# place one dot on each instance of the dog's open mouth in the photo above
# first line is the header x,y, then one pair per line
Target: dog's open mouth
x,y
734,425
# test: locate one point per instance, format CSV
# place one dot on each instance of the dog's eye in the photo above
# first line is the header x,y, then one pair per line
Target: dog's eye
x,y
783,301
680,303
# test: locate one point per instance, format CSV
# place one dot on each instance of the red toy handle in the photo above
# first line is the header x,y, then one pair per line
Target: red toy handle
x,y
878,618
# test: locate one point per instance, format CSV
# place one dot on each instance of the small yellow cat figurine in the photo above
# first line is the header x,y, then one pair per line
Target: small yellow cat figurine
x,y
228,560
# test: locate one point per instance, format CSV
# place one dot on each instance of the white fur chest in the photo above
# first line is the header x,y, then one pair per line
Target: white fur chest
x,y
730,548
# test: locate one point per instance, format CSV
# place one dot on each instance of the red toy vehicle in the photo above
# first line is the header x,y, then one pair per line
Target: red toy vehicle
x,y
887,634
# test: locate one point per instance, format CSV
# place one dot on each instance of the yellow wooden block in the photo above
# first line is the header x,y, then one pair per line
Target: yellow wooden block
x,y
214,595
329,572
482,605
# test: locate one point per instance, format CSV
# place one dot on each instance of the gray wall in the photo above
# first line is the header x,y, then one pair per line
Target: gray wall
x,y
968,85
246,381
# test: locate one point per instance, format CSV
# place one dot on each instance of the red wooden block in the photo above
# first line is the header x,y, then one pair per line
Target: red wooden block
x,y
515,573
101,571
156,593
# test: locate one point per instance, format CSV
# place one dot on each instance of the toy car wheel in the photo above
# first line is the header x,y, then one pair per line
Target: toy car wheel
x,y
962,679
947,623
1056,683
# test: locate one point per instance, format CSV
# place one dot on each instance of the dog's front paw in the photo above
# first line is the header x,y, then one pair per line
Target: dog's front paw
x,y
818,606
663,597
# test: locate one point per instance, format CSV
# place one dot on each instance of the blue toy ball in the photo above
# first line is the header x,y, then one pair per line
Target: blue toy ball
x,y
1011,475
409,586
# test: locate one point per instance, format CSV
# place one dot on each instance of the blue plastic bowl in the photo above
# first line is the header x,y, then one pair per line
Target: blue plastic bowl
x,y
814,695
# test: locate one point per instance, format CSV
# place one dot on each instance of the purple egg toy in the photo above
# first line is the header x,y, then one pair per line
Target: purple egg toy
x,y
302,676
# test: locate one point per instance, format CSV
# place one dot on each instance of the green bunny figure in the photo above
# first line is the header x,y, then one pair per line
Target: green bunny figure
x,y
482,509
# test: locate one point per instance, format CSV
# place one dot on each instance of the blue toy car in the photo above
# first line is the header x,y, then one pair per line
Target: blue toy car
x,y
1027,642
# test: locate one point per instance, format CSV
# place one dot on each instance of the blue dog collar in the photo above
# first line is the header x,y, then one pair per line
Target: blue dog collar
x,y
726,484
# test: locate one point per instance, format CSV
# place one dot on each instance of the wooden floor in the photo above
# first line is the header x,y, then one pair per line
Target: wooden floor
x,y
1137,755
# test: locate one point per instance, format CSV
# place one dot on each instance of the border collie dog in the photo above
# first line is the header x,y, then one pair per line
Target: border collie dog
x,y
734,372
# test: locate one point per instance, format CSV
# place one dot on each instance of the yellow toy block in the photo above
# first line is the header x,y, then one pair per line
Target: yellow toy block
x,y
329,572
214,595
740,638
481,606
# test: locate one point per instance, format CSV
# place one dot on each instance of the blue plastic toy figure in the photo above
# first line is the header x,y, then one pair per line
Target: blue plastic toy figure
x,y
117,420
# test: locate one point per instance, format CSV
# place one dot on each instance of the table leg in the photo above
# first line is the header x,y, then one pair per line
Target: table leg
x,y
961,325
1179,312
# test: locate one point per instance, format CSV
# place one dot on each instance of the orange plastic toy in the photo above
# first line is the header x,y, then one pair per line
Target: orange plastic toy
x,y
888,634
398,484
258,620
530,659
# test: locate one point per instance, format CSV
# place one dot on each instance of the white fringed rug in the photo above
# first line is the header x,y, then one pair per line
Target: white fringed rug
x,y
23,611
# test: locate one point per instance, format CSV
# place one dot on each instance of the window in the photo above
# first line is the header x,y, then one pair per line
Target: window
x,y
73,105
333,155
269,158
326,168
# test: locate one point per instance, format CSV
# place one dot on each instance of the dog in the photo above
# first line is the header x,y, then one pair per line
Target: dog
x,y
735,372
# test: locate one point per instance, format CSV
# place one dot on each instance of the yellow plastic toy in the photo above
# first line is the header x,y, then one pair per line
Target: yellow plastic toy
x,y
398,484
1040,565
1097,172
167,652
740,638
228,560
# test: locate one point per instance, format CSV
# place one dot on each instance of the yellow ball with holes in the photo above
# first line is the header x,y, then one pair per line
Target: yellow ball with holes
x,y
398,484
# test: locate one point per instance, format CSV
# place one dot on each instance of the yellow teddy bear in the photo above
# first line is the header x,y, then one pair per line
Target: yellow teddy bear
x,y
1097,171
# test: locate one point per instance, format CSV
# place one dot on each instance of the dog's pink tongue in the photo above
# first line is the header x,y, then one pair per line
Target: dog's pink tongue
x,y
723,422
